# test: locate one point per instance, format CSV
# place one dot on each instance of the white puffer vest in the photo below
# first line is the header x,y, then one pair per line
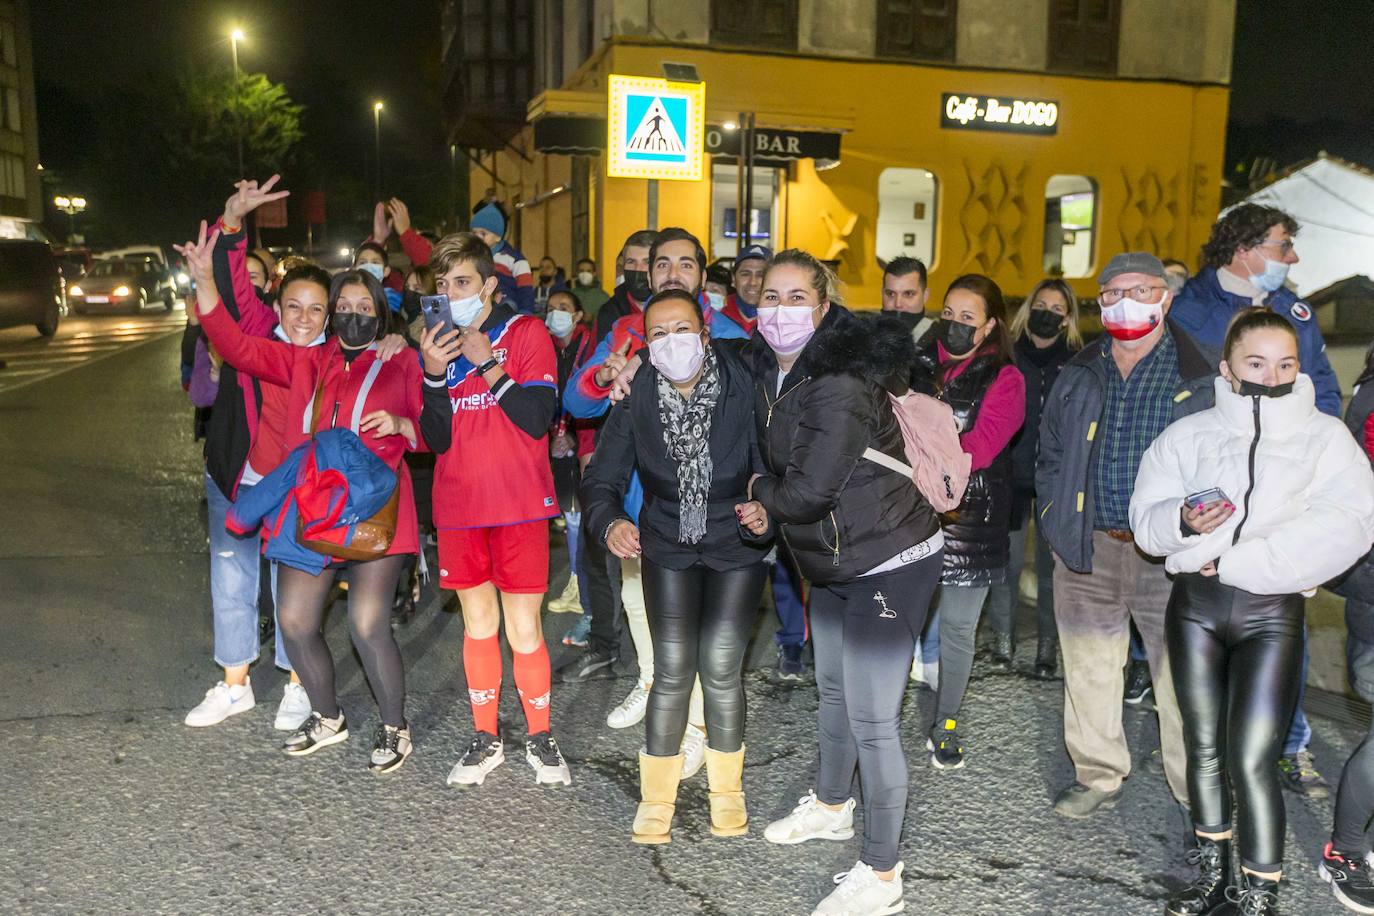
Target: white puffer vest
x,y
1302,487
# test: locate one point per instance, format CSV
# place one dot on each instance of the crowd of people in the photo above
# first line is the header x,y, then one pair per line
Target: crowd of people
x,y
1178,485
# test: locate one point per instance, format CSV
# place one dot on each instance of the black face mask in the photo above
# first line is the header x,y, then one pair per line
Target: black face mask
x,y
355,329
637,285
957,338
908,319
546,278
1256,390
1045,324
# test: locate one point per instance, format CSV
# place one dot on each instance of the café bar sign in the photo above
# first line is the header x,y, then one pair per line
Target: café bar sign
x,y
999,113
654,128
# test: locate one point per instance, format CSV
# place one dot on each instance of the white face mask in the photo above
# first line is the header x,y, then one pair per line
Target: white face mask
x,y
585,277
715,300
1275,272
560,324
678,356
465,311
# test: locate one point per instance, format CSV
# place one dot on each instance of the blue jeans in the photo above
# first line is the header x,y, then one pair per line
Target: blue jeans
x,y
928,646
1300,732
574,523
787,599
234,587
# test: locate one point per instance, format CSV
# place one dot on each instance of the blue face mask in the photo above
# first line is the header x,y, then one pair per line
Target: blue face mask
x,y
375,269
464,311
560,324
1275,272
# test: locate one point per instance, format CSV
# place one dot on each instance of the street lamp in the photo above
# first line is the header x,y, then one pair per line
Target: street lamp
x,y
377,135
235,37
71,206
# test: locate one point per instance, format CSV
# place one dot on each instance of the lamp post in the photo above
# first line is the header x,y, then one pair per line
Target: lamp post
x,y
71,206
234,38
377,137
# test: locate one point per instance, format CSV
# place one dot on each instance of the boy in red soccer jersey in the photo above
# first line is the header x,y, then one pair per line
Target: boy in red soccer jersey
x,y
493,497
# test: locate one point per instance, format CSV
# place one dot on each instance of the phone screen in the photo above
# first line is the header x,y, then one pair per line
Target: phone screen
x,y
437,312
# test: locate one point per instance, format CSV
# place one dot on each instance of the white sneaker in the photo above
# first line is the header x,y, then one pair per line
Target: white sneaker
x,y
693,751
631,709
293,710
485,753
222,701
811,820
544,757
860,892
927,673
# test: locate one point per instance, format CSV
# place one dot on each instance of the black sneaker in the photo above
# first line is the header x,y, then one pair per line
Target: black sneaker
x,y
1350,880
485,753
588,665
390,749
315,732
790,666
1299,774
544,757
946,751
1138,686
1000,652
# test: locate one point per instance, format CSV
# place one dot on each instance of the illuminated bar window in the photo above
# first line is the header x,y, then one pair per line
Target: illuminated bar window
x,y
906,214
1070,225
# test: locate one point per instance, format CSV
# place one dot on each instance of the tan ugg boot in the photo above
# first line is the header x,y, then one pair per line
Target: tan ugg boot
x,y
658,779
725,776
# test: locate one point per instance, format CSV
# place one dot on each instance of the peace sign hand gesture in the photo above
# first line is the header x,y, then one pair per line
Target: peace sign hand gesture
x,y
247,197
200,261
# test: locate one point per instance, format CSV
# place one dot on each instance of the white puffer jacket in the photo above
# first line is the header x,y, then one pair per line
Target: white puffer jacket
x,y
1302,487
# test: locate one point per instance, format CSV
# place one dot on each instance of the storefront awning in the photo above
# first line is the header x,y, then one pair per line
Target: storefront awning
x,y
580,135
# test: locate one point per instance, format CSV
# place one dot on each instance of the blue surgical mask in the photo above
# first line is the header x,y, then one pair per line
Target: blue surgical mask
x,y
1275,272
715,301
560,323
375,269
465,311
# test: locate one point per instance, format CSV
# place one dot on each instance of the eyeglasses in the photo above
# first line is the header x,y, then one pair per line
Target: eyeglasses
x,y
1285,247
1146,294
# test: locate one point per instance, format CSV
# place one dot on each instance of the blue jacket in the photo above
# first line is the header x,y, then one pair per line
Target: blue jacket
x,y
1204,309
334,483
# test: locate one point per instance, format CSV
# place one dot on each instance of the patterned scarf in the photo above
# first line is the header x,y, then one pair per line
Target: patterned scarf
x,y
687,434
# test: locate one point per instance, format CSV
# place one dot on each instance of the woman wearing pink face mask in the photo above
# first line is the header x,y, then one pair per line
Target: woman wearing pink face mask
x,y
864,537
687,428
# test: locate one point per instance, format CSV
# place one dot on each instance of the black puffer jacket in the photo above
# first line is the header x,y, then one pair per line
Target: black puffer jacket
x,y
839,514
1039,368
977,546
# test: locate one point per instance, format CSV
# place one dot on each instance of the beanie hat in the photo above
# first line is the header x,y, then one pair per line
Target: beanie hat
x,y
490,219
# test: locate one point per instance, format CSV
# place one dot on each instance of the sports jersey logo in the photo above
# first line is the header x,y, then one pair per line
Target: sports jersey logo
x,y
482,697
1301,311
499,354
539,702
481,401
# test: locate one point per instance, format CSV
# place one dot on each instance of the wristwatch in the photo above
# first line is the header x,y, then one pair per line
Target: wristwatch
x,y
487,366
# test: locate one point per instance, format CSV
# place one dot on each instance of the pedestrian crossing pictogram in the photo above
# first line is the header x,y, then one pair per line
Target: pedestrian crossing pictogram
x,y
656,133
655,128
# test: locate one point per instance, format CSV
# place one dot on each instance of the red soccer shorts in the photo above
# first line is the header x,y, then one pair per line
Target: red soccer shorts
x,y
514,558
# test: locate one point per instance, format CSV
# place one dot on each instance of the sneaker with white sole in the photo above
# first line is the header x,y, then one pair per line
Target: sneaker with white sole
x,y
631,709
860,892
925,673
544,757
314,733
293,710
391,748
222,701
811,820
485,753
693,751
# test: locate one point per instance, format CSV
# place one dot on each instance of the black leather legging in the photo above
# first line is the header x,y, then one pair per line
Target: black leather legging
x,y
700,620
1236,660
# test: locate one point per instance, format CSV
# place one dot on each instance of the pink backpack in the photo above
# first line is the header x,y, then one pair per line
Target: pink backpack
x,y
939,466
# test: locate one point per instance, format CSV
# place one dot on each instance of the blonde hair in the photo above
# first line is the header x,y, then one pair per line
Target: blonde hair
x,y
1072,332
823,280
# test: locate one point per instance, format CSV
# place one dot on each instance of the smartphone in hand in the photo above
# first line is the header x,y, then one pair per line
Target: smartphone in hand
x,y
437,313
1202,498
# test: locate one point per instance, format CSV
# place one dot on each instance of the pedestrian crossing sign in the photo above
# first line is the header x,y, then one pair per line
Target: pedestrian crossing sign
x,y
655,128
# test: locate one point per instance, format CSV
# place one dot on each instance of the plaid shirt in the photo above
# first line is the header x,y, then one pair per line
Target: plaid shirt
x,y
1136,410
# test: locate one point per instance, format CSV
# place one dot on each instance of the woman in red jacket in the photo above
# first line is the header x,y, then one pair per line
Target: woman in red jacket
x,y
387,405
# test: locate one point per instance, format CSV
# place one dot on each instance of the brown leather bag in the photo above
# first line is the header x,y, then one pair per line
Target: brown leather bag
x,y
371,537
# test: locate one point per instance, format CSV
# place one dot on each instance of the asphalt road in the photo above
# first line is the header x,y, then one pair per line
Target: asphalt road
x,y
111,805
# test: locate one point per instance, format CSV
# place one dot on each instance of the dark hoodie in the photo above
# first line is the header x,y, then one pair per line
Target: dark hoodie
x,y
840,515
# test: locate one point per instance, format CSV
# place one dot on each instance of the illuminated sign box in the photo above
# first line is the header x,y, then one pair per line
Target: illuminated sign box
x,y
992,112
654,128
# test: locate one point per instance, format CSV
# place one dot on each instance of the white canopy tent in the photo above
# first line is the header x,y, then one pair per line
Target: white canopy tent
x,y
1333,202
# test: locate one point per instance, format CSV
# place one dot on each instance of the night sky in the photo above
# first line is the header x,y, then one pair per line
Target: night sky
x,y
1300,78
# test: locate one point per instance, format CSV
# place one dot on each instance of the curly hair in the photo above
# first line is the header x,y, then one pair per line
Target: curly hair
x,y
1243,227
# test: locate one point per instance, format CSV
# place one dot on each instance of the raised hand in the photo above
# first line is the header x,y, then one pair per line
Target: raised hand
x,y
439,348
247,197
381,225
613,364
199,255
400,215
620,385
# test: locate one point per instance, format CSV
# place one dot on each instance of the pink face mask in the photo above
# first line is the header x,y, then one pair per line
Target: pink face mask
x,y
1131,320
787,328
677,356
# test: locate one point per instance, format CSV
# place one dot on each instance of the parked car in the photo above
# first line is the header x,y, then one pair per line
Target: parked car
x,y
30,286
73,262
128,283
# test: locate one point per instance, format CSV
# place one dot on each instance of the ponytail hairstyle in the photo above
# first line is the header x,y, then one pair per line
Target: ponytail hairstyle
x,y
1072,333
1255,318
823,280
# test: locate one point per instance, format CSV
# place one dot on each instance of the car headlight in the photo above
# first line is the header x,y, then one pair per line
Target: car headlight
x,y
121,291
74,290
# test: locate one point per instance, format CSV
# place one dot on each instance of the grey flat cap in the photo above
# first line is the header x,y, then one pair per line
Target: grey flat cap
x,y
1132,262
